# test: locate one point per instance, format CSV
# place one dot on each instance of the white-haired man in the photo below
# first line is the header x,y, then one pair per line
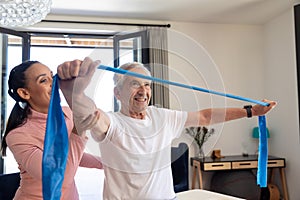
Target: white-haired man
x,y
135,142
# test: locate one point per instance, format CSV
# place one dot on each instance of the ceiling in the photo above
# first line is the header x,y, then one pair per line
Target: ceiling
x,y
203,11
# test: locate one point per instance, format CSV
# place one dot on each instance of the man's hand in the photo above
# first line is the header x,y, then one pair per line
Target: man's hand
x,y
76,75
259,110
74,78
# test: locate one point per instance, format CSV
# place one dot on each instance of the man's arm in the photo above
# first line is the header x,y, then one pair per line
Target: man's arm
x,y
75,76
218,115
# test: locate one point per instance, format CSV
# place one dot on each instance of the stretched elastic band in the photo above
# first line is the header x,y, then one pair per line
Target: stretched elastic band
x,y
56,137
129,73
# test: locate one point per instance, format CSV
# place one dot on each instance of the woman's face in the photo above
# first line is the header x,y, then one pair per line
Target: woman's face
x,y
38,87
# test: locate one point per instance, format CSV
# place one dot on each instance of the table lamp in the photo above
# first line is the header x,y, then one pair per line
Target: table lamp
x,y
255,133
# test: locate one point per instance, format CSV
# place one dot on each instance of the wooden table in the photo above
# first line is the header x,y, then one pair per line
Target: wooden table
x,y
237,162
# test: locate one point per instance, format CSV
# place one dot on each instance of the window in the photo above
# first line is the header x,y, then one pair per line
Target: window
x,y
55,49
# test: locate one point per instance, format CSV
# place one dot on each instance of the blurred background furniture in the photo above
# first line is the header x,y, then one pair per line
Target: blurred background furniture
x,y
9,184
234,163
180,167
238,183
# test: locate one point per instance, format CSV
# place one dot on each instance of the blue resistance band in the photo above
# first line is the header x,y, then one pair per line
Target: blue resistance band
x,y
263,143
56,147
56,137
129,73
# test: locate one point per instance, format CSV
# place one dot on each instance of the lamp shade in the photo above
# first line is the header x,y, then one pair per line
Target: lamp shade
x,y
255,133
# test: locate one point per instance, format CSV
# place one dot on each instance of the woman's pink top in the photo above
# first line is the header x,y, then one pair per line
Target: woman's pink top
x,y
27,144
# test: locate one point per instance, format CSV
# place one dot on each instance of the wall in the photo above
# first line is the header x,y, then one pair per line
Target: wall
x,y
238,55
281,85
256,62
237,51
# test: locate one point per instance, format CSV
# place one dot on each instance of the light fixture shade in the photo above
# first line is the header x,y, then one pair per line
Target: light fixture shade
x,y
23,12
255,132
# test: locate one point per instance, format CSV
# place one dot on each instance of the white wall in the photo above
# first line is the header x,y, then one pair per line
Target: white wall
x,y
237,51
256,62
281,85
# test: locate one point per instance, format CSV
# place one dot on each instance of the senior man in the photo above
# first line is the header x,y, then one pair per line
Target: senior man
x,y
135,142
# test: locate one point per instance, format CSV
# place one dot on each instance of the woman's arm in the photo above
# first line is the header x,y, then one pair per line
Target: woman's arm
x,y
90,161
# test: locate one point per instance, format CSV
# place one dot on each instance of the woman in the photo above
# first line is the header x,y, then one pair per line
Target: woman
x,y
30,86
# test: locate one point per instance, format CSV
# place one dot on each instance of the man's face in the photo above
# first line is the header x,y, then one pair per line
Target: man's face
x,y
135,94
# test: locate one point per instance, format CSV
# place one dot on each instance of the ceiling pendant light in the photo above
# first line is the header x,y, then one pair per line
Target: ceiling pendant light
x,y
23,12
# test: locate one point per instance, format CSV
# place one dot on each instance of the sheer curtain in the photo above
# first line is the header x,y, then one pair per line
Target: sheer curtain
x,y
158,64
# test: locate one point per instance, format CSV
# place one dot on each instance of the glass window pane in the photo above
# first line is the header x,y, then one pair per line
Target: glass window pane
x,y
130,50
12,51
53,51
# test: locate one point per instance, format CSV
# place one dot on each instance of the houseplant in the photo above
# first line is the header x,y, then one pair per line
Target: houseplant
x,y
200,136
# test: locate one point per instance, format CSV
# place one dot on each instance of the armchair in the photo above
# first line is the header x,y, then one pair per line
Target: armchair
x,y
9,184
180,167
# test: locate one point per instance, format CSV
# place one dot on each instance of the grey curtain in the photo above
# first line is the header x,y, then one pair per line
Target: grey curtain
x,y
158,64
